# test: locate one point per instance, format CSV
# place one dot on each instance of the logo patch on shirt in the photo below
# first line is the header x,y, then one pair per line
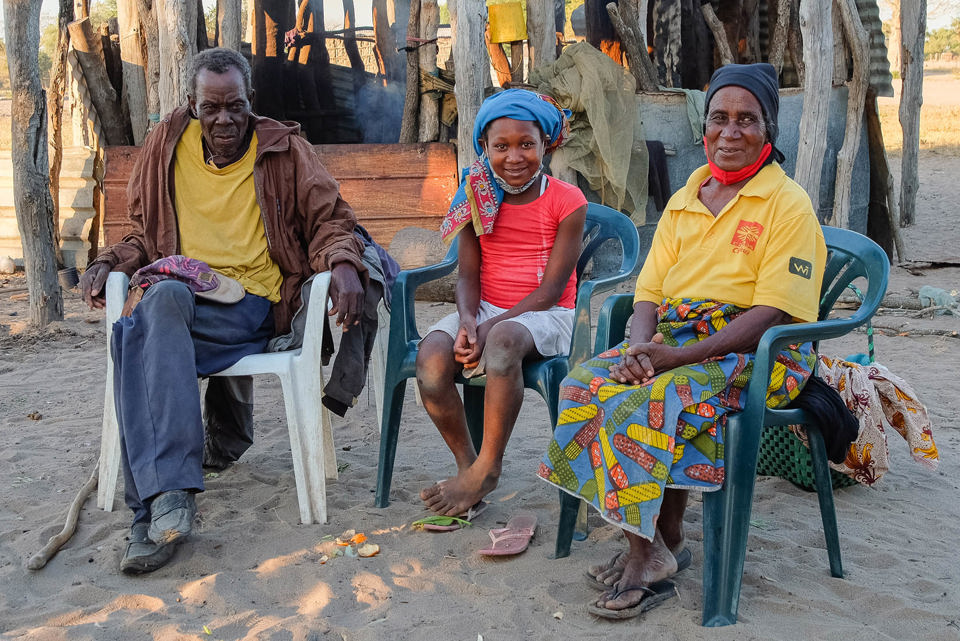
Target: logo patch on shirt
x,y
800,267
746,236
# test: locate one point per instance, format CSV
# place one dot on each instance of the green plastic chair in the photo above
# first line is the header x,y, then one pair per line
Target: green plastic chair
x,y
602,224
726,513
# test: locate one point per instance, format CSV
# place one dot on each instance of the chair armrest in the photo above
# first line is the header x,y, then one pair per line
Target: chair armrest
x,y
612,321
115,292
403,321
581,348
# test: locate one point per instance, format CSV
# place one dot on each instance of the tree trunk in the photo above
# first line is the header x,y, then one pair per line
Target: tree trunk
x,y
58,84
882,228
498,58
778,41
472,71
229,23
628,27
817,28
385,47
541,33
150,37
203,41
666,36
350,43
177,26
840,54
81,9
859,41
134,76
87,46
794,44
429,101
719,34
31,192
410,127
913,27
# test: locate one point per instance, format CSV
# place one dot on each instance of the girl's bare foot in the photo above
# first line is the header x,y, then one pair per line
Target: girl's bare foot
x,y
458,494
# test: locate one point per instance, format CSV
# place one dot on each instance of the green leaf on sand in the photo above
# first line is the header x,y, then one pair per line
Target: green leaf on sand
x,y
440,520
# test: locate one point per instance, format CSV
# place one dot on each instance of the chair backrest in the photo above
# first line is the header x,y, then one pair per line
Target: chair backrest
x,y
603,224
850,256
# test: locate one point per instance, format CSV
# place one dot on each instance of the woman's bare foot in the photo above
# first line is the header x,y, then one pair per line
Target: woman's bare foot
x,y
458,494
643,565
610,572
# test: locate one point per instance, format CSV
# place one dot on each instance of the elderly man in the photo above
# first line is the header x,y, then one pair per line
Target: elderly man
x,y
248,196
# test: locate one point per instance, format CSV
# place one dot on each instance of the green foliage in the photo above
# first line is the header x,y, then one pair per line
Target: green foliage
x,y
942,40
101,11
444,14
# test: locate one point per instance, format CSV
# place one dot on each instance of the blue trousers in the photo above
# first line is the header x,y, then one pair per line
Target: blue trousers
x,y
172,338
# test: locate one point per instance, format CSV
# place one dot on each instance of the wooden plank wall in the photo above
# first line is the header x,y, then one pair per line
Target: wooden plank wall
x,y
389,186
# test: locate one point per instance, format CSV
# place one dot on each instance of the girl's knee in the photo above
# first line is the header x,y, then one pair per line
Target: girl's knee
x,y
435,364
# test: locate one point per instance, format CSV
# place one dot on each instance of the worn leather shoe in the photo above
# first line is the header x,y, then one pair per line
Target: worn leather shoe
x,y
171,515
143,555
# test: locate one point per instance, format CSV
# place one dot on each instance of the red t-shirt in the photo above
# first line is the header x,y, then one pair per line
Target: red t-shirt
x,y
514,255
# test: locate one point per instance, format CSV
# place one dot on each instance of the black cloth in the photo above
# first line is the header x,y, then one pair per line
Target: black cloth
x,y
760,79
658,179
836,422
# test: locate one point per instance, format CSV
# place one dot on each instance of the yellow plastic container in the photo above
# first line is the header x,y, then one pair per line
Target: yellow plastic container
x,y
506,22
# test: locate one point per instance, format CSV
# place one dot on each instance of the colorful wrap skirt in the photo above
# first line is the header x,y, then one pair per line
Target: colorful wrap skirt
x,y
618,446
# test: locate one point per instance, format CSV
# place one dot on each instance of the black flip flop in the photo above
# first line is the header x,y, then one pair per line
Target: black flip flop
x,y
684,557
654,595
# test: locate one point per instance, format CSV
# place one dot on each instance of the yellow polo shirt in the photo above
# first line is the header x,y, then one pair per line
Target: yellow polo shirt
x,y
218,216
765,247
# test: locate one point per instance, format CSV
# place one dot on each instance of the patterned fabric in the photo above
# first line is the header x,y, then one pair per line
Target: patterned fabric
x,y
477,200
618,446
204,281
876,396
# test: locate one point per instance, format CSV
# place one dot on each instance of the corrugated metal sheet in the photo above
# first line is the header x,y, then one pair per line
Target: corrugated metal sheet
x,y
880,78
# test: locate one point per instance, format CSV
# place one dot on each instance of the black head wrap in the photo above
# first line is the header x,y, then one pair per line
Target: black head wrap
x,y
760,79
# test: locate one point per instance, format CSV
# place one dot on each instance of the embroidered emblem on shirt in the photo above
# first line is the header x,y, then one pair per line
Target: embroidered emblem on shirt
x,y
800,267
745,237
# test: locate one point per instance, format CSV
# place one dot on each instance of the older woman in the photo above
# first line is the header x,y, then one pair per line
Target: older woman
x,y
737,251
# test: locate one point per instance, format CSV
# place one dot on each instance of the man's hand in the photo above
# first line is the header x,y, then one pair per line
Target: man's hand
x,y
643,361
346,292
91,285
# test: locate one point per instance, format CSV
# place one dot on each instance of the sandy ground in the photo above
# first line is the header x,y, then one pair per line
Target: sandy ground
x,y
251,571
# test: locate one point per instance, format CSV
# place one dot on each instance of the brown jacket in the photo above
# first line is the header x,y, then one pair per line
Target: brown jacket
x,y
309,227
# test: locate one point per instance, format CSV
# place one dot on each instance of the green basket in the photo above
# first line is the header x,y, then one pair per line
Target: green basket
x,y
783,454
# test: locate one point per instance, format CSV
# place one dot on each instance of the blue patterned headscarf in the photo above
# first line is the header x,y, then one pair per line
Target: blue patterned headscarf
x,y
479,196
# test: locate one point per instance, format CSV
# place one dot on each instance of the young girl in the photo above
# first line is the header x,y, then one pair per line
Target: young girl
x,y
520,235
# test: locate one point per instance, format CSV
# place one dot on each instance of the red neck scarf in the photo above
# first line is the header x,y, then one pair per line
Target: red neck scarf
x,y
731,177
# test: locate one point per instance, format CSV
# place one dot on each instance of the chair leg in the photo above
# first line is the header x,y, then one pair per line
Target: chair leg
x,y
389,433
329,449
726,524
304,423
821,474
109,440
569,506
473,409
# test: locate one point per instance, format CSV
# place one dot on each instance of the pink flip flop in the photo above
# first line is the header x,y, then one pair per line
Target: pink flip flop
x,y
512,539
475,511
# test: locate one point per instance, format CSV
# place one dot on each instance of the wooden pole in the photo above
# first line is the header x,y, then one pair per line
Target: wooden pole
x,y
880,169
134,74
429,101
841,63
794,46
629,27
859,42
410,126
229,23
58,85
31,189
350,43
778,41
501,66
87,46
816,25
541,33
385,46
667,19
913,27
472,71
719,35
150,39
177,25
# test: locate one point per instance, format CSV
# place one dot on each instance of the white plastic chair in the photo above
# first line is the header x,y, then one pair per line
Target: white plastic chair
x,y
301,378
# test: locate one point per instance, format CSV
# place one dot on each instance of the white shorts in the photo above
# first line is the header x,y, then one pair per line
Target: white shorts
x,y
551,329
